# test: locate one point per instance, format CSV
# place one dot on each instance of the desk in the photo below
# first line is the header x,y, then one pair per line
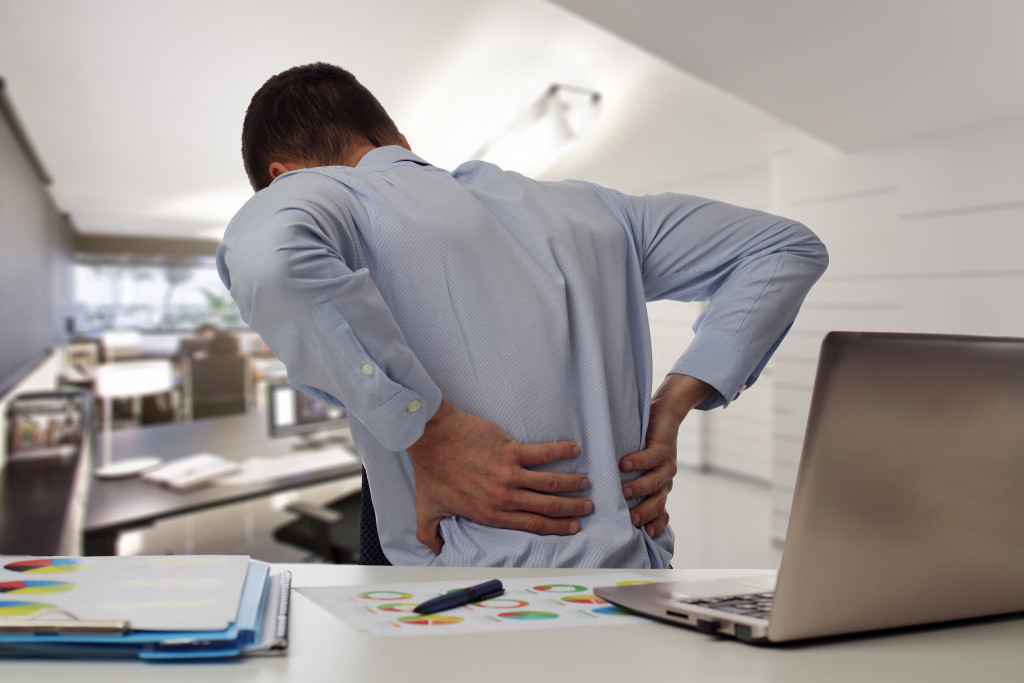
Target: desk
x,y
36,500
120,504
42,502
326,649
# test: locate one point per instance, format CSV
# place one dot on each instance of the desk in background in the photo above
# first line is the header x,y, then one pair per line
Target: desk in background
x,y
42,485
121,504
324,648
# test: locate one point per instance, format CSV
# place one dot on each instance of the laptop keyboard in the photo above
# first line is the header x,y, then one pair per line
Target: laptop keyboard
x,y
758,605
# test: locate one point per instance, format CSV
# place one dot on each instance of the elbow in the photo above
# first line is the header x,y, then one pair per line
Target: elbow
x,y
820,257
810,248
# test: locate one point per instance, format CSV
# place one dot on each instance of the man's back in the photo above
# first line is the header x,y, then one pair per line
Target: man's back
x,y
528,310
524,302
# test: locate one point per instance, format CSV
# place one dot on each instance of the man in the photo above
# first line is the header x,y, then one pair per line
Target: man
x,y
488,332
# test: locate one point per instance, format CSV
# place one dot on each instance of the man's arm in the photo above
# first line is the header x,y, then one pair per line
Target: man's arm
x,y
754,270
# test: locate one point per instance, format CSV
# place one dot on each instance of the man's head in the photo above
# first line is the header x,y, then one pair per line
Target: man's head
x,y
312,115
206,330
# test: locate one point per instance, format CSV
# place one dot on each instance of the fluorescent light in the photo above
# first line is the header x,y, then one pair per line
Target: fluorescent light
x,y
545,131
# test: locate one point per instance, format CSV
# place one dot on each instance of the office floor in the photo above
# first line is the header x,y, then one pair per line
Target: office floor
x,y
719,521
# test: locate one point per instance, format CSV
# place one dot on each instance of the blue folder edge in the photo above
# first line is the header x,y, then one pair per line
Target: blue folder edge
x,y
260,627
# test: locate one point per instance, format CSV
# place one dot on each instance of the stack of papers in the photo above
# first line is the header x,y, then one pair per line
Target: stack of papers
x,y
527,604
162,607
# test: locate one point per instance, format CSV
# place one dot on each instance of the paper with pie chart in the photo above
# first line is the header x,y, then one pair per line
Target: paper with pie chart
x,y
528,603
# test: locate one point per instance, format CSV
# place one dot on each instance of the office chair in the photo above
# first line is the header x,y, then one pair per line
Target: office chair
x,y
217,385
330,532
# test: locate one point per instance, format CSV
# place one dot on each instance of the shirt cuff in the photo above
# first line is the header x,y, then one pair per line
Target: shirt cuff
x,y
722,360
399,422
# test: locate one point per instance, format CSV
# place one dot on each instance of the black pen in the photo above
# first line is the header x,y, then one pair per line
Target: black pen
x,y
463,596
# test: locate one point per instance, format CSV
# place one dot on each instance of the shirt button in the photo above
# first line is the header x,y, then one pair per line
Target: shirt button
x,y
413,406
367,369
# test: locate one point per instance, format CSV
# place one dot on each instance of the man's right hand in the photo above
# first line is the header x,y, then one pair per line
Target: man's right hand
x,y
467,466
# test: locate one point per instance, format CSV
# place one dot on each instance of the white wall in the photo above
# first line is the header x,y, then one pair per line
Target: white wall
x,y
925,236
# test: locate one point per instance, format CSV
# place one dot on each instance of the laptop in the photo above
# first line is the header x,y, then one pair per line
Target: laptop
x,y
909,499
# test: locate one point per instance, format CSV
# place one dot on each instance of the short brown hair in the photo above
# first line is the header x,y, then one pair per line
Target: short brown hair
x,y
315,114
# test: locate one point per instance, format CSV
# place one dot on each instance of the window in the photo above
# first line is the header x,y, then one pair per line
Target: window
x,y
154,294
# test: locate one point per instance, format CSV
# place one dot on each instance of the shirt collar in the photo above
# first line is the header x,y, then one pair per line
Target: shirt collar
x,y
380,158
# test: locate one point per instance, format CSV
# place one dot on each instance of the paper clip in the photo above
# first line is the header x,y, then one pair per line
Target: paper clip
x,y
40,624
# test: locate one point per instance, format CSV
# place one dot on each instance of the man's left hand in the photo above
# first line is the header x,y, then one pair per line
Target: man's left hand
x,y
677,395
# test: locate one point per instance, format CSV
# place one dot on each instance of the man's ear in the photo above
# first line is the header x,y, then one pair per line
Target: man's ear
x,y
279,167
405,143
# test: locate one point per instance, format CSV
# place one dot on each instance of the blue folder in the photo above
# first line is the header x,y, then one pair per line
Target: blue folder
x,y
260,627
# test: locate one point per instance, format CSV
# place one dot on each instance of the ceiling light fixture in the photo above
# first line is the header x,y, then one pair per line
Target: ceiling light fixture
x,y
544,131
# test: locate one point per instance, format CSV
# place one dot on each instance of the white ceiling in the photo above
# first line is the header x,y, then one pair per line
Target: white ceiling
x,y
135,107
853,73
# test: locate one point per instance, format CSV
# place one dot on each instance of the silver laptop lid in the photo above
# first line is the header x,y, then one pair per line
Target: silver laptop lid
x,y
909,502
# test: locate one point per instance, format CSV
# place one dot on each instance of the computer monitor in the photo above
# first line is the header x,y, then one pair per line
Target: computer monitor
x,y
291,413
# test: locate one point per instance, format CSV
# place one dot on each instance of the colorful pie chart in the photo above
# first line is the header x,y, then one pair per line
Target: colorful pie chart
x,y
560,588
502,603
397,607
28,587
429,620
528,616
9,608
54,565
385,595
611,610
584,600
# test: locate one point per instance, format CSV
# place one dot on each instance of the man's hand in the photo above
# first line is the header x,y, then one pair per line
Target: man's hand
x,y
676,396
467,466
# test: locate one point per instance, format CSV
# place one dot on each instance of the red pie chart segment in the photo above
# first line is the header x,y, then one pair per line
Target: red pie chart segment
x,y
29,587
54,565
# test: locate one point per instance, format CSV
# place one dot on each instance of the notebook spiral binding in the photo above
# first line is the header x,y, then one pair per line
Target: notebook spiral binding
x,y
283,606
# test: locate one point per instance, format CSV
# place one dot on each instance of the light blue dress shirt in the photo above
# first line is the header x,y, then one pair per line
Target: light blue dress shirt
x,y
388,285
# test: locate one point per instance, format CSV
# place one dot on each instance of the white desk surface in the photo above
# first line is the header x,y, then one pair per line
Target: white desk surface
x,y
324,648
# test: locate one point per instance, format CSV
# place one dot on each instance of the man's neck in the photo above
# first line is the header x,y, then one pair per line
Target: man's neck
x,y
358,154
